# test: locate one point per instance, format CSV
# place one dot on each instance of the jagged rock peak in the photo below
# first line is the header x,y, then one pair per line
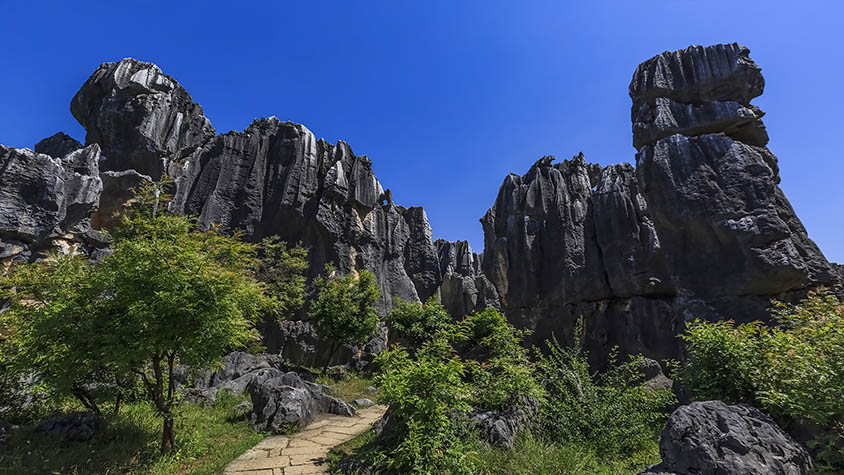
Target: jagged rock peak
x,y
57,145
139,116
722,72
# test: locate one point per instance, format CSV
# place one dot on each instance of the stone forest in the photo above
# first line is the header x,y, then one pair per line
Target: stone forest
x,y
178,300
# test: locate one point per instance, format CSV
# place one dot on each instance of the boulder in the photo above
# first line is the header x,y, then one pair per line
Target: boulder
x,y
283,400
74,427
713,438
500,428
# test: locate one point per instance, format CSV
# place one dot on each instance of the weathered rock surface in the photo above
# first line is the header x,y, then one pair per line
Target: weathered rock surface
x,y
464,289
74,427
281,400
500,428
698,229
45,202
139,116
712,438
57,145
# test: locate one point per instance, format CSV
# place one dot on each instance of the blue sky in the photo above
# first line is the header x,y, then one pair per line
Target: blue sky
x,y
446,97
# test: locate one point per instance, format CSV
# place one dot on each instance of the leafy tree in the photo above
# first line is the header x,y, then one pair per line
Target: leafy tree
x,y
416,323
344,309
52,329
167,295
283,271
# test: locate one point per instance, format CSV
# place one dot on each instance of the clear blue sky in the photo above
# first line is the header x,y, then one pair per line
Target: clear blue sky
x,y
446,97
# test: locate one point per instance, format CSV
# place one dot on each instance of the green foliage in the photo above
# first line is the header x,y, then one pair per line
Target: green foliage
x,y
343,310
283,271
535,455
426,395
475,364
793,370
168,294
416,323
614,414
210,438
497,366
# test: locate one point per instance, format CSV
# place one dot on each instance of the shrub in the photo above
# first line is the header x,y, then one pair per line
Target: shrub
x,y
283,268
344,309
614,413
416,323
427,396
793,370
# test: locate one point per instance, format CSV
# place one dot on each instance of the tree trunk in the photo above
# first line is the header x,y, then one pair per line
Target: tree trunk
x,y
167,440
334,346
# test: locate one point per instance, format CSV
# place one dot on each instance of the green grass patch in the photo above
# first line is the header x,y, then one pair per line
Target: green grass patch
x,y
207,439
530,456
348,386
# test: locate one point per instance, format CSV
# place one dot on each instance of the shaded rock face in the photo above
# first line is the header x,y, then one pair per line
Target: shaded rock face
x,y
712,438
698,229
57,145
45,202
74,427
464,289
281,400
139,116
275,178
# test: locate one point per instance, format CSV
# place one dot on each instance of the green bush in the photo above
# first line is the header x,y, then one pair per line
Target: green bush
x,y
476,364
416,323
614,413
793,370
343,310
427,396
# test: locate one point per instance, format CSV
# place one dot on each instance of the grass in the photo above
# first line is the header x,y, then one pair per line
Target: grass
x,y
207,439
530,456
348,386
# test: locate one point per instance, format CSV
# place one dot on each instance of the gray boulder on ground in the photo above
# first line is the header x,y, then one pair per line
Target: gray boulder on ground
x,y
74,427
282,400
500,428
713,438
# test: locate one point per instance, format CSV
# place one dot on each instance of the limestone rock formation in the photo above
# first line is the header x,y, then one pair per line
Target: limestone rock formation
x,y
464,289
276,178
283,400
698,229
57,145
139,116
45,202
712,438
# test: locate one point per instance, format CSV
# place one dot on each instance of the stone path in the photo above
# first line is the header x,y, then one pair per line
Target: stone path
x,y
304,452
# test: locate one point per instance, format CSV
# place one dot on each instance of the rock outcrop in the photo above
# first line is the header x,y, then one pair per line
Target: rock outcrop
x,y
139,116
283,400
712,438
46,202
73,427
698,229
464,289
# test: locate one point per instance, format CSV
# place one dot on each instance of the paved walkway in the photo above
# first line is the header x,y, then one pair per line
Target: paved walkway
x,y
304,452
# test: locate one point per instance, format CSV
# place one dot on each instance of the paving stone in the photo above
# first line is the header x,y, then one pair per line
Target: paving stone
x,y
317,451
258,464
